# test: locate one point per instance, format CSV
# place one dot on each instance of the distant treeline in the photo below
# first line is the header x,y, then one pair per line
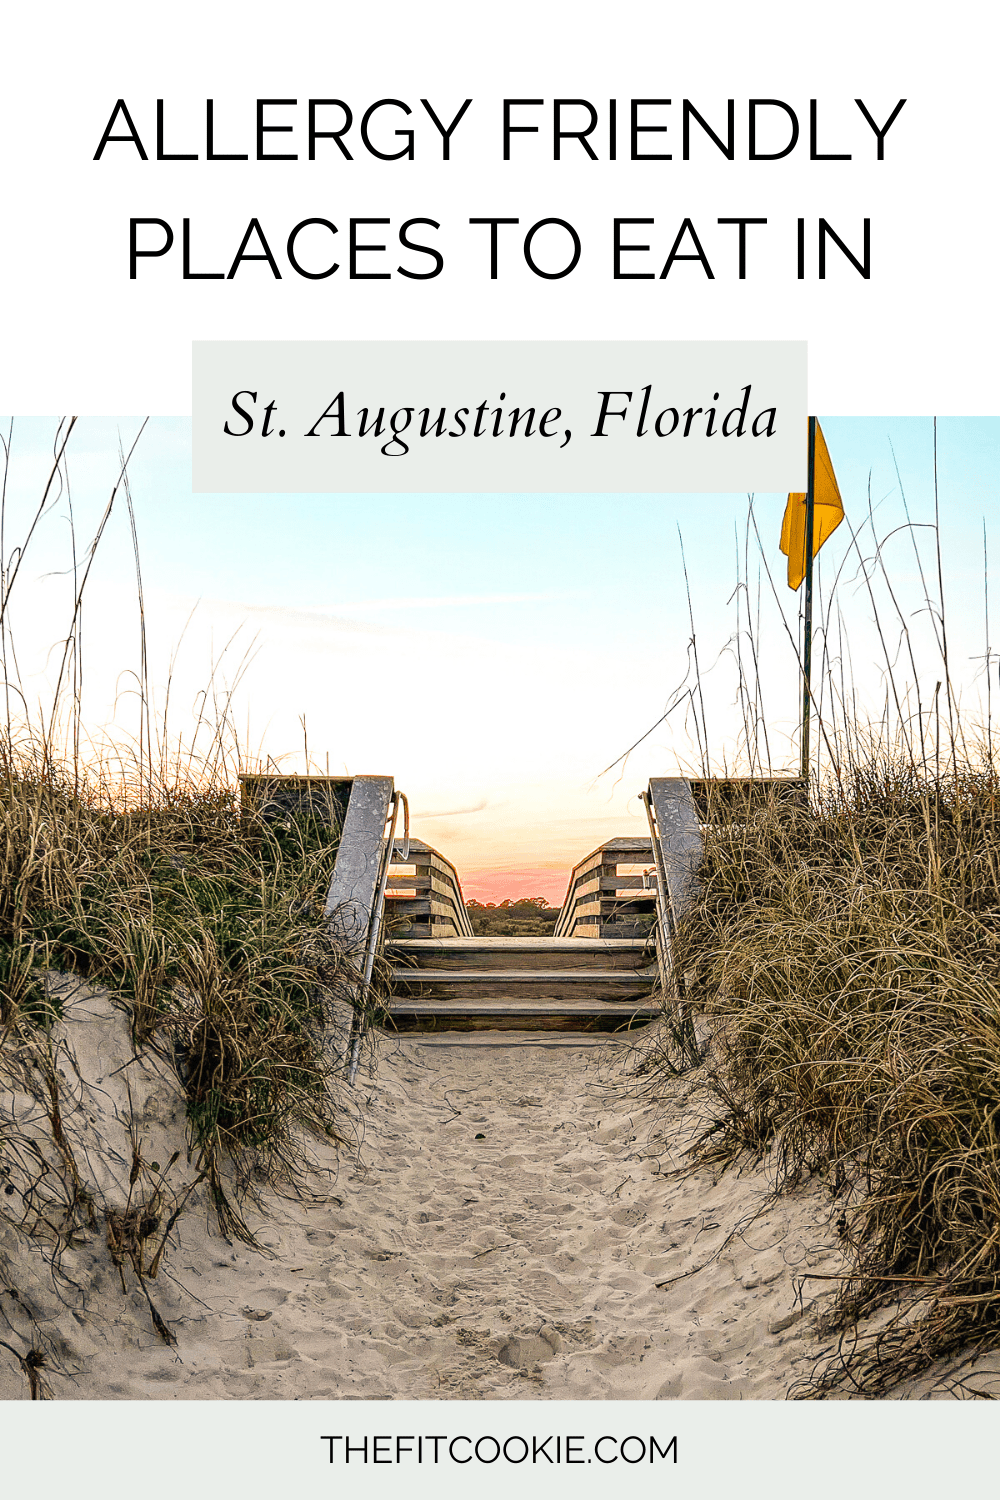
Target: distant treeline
x,y
529,916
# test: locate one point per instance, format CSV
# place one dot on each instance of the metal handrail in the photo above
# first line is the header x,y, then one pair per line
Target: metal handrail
x,y
374,929
664,916
404,852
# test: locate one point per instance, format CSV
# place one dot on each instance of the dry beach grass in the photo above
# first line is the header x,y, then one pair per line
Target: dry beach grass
x,y
847,958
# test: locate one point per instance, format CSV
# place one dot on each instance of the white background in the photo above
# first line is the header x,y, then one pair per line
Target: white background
x,y
78,335
917,337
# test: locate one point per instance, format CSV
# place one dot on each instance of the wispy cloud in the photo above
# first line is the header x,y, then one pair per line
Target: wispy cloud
x,y
448,601
452,812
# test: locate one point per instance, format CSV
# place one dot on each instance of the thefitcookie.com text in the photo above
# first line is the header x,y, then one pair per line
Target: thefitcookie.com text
x,y
438,1448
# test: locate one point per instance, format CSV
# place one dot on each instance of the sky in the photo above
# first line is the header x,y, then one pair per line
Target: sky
x,y
494,653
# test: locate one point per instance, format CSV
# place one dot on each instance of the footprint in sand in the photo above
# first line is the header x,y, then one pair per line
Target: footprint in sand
x,y
526,1350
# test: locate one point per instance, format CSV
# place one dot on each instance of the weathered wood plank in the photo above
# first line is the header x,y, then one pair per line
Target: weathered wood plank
x,y
442,887
587,910
504,1006
628,845
456,987
355,875
406,906
431,1022
539,953
605,905
273,796
603,879
435,874
447,909
681,842
599,872
725,798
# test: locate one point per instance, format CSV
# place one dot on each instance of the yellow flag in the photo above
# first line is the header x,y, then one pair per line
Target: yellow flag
x,y
828,512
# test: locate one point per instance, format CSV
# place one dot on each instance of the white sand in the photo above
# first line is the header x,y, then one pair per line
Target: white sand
x,y
499,1233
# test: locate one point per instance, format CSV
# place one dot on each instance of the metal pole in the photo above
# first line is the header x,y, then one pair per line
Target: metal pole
x,y
358,1022
807,636
671,974
664,948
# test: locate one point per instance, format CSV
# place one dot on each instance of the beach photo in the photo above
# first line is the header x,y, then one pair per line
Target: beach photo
x,y
499,946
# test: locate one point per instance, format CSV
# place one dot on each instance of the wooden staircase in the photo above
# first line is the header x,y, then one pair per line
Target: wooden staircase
x,y
520,984
606,968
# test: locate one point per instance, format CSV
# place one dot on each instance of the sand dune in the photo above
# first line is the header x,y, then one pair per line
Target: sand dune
x,y
498,1231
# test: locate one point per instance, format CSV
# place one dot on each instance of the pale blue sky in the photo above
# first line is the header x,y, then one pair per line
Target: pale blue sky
x,y
319,551
533,637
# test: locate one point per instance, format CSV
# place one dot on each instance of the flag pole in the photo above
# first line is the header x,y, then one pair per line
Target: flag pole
x,y
807,632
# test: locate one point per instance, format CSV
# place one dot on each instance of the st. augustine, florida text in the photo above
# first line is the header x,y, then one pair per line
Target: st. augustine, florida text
x,y
637,413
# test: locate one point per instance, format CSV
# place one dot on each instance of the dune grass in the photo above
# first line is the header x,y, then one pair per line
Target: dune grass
x,y
202,918
130,861
848,954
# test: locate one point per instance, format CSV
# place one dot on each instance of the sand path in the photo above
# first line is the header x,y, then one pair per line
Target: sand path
x,y
501,1236
515,1227
498,1232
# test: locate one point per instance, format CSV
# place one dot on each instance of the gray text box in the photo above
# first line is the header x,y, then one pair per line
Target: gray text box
x,y
517,416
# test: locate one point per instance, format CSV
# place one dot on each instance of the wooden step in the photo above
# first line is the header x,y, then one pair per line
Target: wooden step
x,y
619,985
534,953
519,1015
